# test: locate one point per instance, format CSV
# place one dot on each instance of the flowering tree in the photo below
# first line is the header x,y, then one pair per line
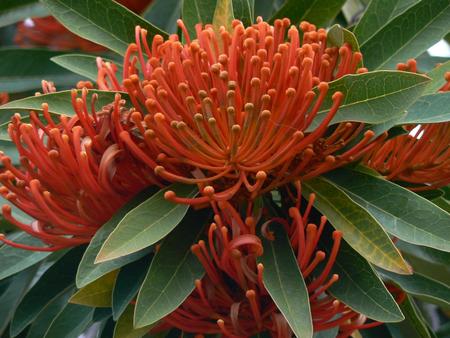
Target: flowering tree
x,y
232,168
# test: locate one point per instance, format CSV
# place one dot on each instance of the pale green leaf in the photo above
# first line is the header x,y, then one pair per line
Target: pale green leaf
x,y
146,224
359,228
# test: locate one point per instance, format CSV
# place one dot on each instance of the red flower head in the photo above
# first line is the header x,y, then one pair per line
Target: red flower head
x,y
73,177
233,110
232,300
4,98
421,157
47,31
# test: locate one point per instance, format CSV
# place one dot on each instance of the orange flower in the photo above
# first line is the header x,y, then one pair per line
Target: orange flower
x,y
421,157
232,299
73,177
4,98
234,110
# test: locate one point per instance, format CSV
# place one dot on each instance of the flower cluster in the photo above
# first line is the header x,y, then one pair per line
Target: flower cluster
x,y
232,299
241,111
421,157
238,114
73,176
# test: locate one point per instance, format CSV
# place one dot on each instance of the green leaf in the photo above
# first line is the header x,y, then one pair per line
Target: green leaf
x,y
58,103
421,286
173,271
124,327
223,15
437,78
284,283
82,64
13,291
330,333
377,15
373,97
12,11
197,11
88,271
359,228
146,224
98,293
338,35
400,211
359,286
47,315
433,108
55,281
15,260
164,14
70,322
408,35
106,23
127,285
244,10
414,325
264,8
23,69
317,12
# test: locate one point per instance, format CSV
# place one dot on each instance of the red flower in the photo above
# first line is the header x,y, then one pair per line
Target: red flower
x,y
73,177
47,31
232,300
234,110
421,157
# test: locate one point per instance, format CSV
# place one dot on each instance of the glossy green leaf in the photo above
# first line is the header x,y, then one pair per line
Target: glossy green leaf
x,y
223,15
284,282
420,286
13,290
124,326
373,97
377,15
70,322
98,293
197,11
15,260
437,78
400,211
413,326
45,318
146,224
127,285
55,281
359,286
106,23
12,11
23,69
88,270
408,35
82,64
359,228
164,14
432,108
244,10
318,12
173,271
